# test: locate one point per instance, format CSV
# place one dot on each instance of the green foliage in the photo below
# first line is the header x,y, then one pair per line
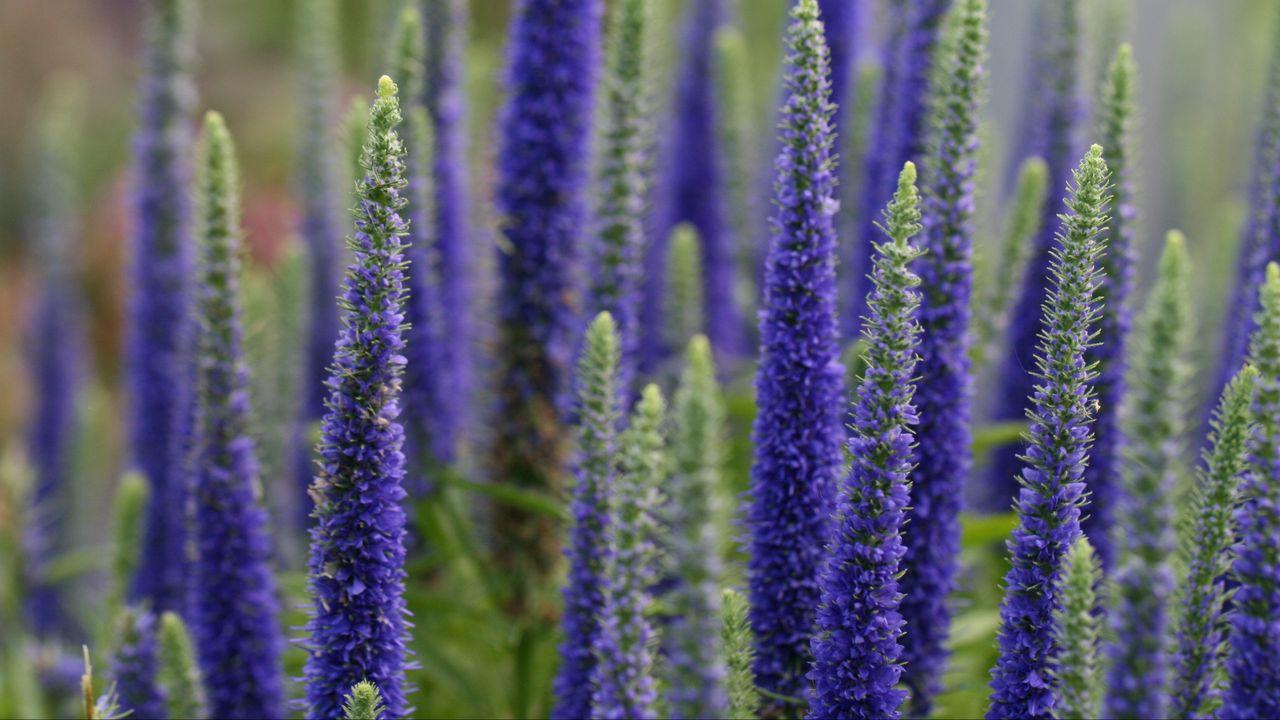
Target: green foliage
x,y
178,673
739,651
364,702
131,503
684,286
998,286
1079,627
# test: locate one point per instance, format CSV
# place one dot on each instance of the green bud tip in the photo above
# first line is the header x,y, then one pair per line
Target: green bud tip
x,y
386,87
604,322
1175,240
908,176
1273,273
1095,151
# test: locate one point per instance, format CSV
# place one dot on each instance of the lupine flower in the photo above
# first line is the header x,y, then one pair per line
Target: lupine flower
x,y
447,24
176,669
357,626
599,411
1050,126
618,246
624,686
684,286
233,606
1259,242
857,657
1057,446
694,651
739,653
1253,660
797,430
695,191
159,363
1198,662
899,133
945,391
320,226
364,702
1079,626
1108,351
541,199
56,339
1022,225
134,665
1136,682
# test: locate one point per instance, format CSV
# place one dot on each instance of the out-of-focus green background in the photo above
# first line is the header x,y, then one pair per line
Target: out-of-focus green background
x,y
1202,65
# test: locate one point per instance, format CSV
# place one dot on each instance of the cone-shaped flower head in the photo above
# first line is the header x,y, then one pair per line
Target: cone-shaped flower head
x,y
797,432
695,190
695,654
233,605
158,353
618,245
899,132
684,286
177,670
1253,663
364,702
739,654
857,657
598,411
541,200
1079,626
624,683
55,341
135,665
357,626
1200,622
1136,681
1056,451
447,25
945,383
1049,128
322,193
1103,476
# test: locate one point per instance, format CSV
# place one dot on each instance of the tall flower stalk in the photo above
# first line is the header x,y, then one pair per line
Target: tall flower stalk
x,y
1056,452
447,23
899,132
1049,128
624,683
1103,476
321,200
797,432
695,655
135,665
618,245
856,650
945,383
599,411
1079,627
56,339
158,353
739,654
1207,550
695,190
1136,682
357,626
233,605
1253,660
684,318
541,198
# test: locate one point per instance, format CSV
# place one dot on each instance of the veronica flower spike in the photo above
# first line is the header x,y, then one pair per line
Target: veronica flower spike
x,y
945,391
1057,446
1253,658
599,411
1201,625
357,627
857,656
1079,627
1136,681
233,594
624,682
798,434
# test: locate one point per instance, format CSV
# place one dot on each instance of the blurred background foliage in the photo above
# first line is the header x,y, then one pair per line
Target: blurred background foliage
x,y
1202,66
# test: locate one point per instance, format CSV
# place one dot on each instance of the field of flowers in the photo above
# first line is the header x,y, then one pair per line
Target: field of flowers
x,y
640,359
